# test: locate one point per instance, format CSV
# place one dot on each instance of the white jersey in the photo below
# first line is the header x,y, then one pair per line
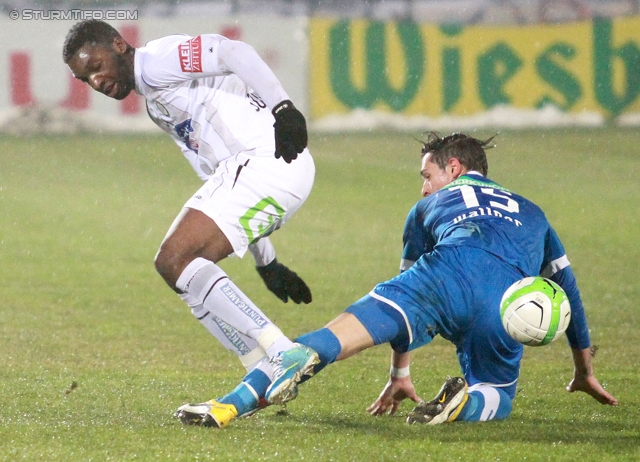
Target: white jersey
x,y
197,89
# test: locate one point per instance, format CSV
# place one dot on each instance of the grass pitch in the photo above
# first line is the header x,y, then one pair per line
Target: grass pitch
x,y
97,353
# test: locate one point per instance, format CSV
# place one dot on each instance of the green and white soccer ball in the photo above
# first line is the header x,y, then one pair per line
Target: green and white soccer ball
x,y
535,311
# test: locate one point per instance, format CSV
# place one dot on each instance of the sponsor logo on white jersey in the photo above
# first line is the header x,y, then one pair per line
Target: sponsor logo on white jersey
x,y
190,54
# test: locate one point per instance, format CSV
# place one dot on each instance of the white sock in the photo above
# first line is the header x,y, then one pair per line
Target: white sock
x,y
247,349
266,367
207,282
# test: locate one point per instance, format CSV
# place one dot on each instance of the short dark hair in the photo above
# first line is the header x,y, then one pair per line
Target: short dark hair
x,y
468,150
93,31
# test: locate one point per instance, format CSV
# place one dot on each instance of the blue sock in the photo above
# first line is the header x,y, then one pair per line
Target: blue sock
x,y
245,397
325,343
258,380
486,403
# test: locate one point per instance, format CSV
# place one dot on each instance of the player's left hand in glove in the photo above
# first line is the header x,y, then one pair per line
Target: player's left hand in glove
x,y
284,283
290,131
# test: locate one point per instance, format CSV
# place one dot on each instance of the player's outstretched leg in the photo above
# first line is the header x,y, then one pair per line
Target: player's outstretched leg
x,y
445,407
289,367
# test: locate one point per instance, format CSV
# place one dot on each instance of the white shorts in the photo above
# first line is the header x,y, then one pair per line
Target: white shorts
x,y
249,197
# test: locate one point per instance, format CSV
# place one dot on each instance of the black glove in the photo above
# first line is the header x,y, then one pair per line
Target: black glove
x,y
284,283
291,131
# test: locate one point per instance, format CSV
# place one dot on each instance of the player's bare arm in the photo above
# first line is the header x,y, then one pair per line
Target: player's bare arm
x,y
585,381
398,388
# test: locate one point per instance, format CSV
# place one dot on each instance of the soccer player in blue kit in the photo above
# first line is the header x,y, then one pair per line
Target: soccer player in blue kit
x,y
465,243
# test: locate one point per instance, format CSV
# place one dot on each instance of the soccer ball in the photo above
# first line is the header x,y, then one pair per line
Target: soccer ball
x,y
535,311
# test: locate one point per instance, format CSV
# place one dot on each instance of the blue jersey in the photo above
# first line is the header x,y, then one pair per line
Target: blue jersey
x,y
473,211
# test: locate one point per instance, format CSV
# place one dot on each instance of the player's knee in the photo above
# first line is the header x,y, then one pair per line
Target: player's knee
x,y
169,265
505,407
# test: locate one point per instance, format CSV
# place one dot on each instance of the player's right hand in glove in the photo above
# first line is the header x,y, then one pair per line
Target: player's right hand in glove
x,y
290,131
284,283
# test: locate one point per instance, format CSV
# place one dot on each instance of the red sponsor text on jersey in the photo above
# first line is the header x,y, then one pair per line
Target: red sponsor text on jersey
x,y
191,55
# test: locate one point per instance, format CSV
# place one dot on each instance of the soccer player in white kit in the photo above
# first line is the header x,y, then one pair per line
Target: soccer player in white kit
x,y
229,114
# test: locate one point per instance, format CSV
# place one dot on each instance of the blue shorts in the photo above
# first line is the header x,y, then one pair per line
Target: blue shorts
x,y
454,292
